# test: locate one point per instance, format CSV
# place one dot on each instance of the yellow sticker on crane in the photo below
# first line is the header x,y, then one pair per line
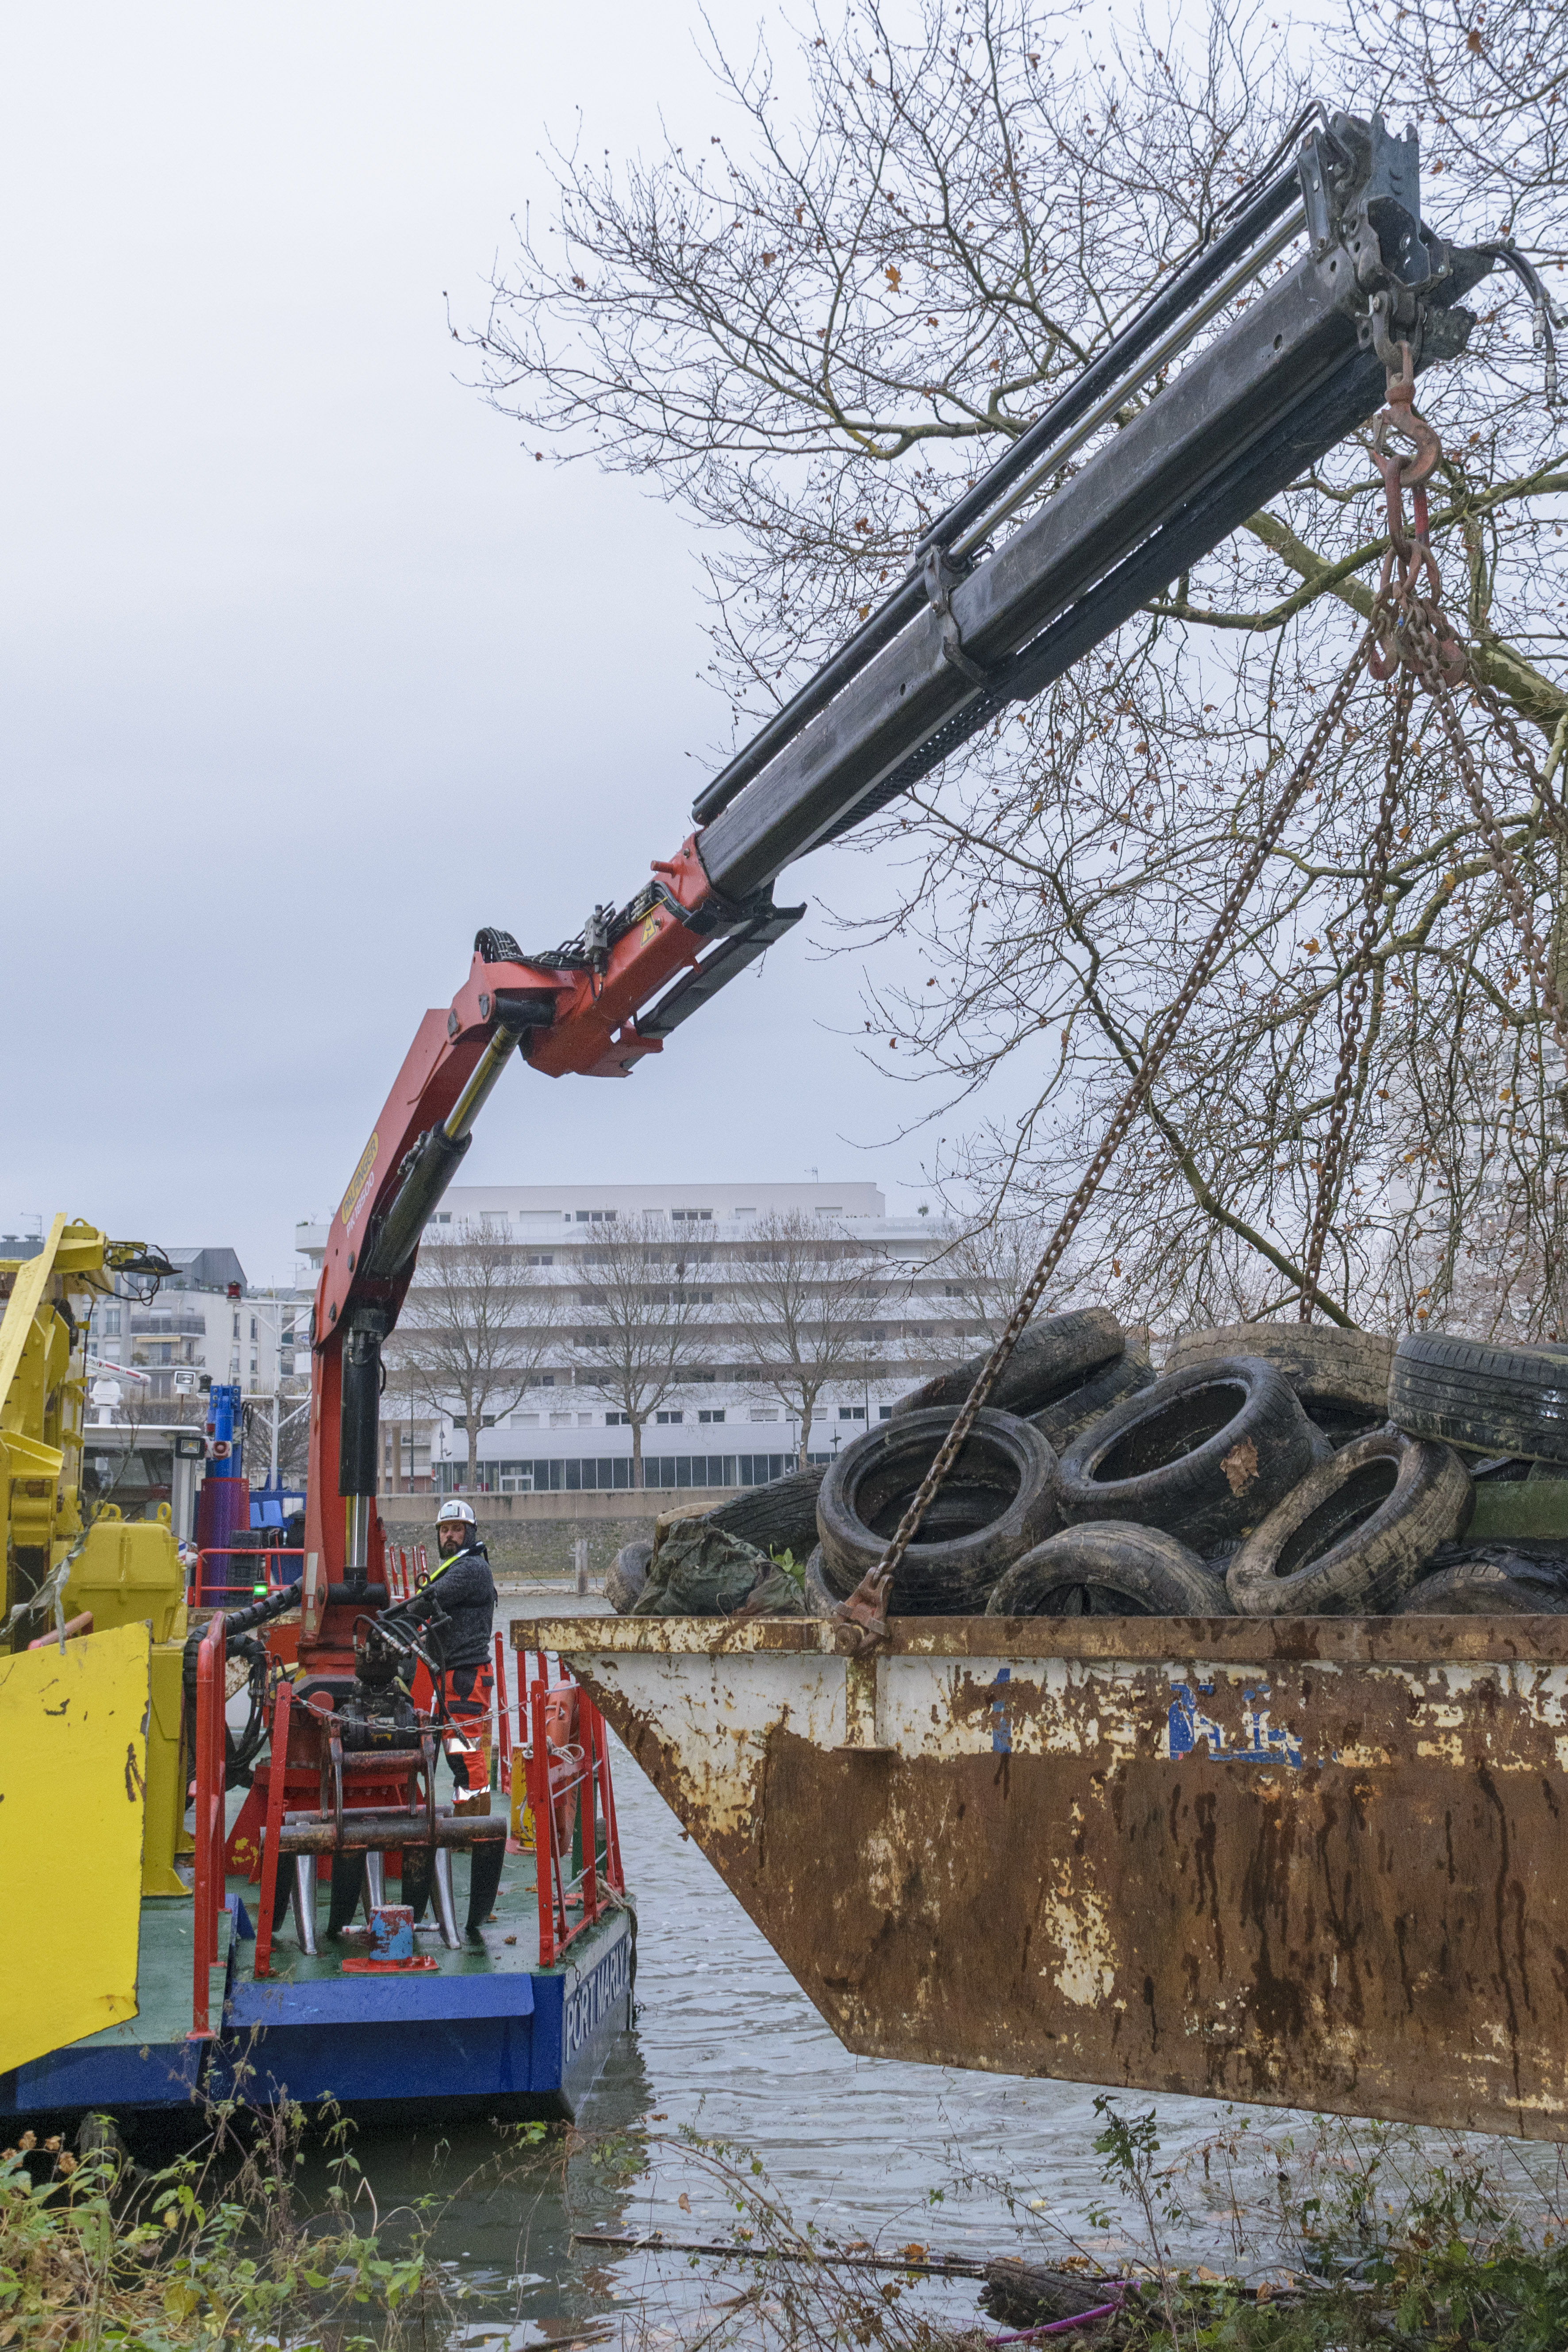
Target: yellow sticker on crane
x,y
359,1183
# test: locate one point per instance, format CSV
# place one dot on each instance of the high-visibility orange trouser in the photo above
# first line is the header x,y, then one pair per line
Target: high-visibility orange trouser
x,y
468,1693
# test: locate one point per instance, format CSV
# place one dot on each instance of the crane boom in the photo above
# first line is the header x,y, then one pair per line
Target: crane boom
x,y
972,629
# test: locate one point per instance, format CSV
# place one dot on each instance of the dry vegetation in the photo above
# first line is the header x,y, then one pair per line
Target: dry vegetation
x,y
814,325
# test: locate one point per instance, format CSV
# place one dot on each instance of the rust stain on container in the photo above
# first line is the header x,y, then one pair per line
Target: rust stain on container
x,y
1317,1861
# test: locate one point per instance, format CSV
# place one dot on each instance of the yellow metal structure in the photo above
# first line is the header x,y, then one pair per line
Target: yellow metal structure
x,y
73,1769
127,1572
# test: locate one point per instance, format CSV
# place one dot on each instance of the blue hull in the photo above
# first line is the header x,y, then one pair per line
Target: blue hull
x,y
507,2043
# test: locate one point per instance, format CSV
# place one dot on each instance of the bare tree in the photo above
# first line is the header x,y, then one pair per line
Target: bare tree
x,y
983,1268
814,329
478,1325
804,1297
646,1315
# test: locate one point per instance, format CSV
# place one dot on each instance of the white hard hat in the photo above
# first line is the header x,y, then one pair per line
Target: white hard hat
x,y
455,1508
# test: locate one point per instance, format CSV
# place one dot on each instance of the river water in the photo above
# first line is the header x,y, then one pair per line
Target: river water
x,y
724,2043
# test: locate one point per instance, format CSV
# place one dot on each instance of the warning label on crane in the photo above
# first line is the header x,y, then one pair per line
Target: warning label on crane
x,y
359,1183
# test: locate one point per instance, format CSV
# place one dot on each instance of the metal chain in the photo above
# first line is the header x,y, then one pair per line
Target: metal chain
x,y
866,1608
1426,654
1330,1157
1491,702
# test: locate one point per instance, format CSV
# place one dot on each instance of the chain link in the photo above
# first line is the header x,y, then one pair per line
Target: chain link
x,y
864,1612
1409,635
1426,653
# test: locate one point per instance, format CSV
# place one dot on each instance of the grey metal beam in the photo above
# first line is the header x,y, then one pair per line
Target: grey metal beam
x,y
1275,391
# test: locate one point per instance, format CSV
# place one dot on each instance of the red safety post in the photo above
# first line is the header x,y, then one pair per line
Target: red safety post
x,y
503,1713
580,1771
210,1760
278,1758
539,1798
587,1810
614,1875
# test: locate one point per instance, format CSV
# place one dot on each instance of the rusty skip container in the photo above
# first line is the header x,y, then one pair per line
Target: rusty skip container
x,y
1315,1861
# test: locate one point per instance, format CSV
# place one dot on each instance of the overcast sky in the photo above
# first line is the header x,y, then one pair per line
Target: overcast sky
x,y
310,670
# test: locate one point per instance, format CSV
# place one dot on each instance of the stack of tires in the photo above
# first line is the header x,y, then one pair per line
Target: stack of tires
x,y
1271,1469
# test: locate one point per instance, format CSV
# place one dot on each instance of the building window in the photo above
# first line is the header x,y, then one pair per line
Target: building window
x,y
884,1412
952,1290
851,1412
668,1420
764,1413
618,1421
111,1322
541,1258
237,1327
711,1412
525,1420
593,1216
560,1421
745,1213
253,1334
691,1216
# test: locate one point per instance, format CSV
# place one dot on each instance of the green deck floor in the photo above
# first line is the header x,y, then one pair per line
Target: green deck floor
x,y
164,1979
507,1945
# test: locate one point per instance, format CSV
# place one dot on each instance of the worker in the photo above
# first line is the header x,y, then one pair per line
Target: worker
x,y
461,1591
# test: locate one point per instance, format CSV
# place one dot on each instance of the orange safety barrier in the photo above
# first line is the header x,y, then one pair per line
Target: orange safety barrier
x,y
211,1775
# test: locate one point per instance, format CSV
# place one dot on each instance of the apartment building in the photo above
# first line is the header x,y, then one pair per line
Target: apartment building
x,y
721,1428
205,1320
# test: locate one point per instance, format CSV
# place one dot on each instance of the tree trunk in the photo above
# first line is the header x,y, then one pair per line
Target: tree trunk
x,y
472,1435
808,1407
636,1456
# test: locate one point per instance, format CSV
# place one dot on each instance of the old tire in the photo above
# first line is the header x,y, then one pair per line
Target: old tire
x,y
1320,1362
781,1516
1082,1406
821,1601
1495,1581
626,1576
1205,1454
1340,1377
1354,1535
1109,1569
1491,1400
999,1501
1052,1357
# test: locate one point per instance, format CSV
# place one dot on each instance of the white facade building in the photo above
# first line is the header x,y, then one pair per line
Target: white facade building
x,y
720,1430
208,1323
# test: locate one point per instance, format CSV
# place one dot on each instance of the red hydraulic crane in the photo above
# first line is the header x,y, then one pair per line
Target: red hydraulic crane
x,y
972,628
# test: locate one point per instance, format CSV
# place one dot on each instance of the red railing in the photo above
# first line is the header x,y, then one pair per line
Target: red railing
x,y
211,1760
257,1571
574,1805
407,1565
503,1719
277,1777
